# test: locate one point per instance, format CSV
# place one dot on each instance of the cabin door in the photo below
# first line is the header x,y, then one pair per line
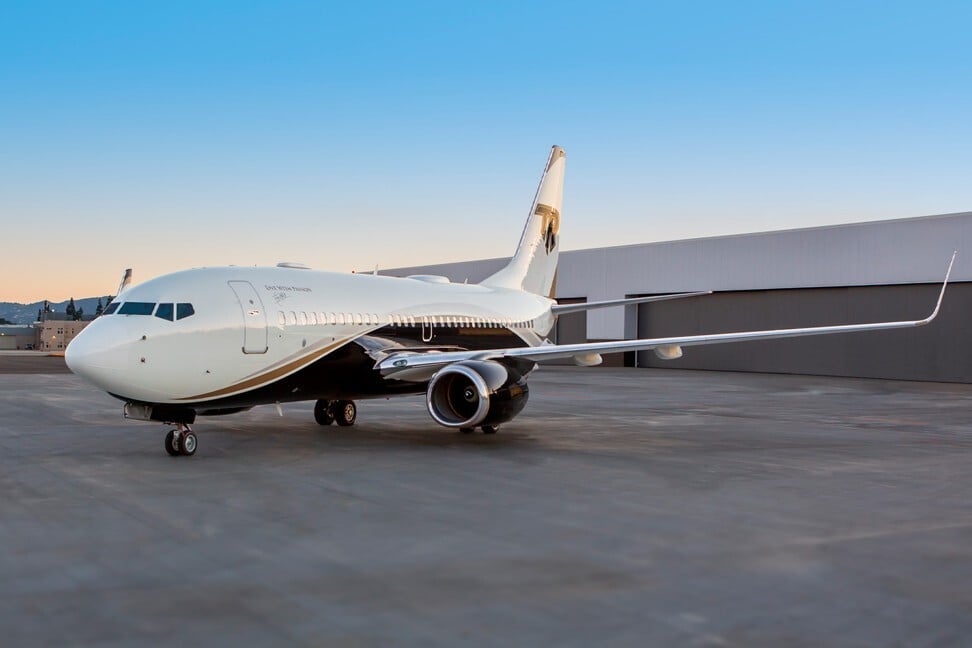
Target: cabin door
x,y
254,317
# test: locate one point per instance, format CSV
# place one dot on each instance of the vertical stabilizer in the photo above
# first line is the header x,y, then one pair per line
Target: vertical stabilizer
x,y
534,265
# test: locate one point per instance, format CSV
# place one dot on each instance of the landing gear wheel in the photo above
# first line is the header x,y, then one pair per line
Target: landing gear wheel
x,y
180,441
172,444
324,412
187,443
489,429
345,413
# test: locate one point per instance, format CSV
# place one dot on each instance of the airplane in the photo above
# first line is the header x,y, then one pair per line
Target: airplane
x,y
214,341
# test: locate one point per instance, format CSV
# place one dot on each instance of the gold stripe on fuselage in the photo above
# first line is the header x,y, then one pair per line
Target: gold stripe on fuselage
x,y
271,375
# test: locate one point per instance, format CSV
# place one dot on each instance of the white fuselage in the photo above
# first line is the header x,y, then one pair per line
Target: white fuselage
x,y
239,339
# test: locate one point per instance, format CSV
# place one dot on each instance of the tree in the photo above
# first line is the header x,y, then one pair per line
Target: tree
x,y
4,320
78,315
100,310
71,310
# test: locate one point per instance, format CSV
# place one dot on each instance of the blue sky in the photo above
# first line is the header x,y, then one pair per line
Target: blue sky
x,y
165,135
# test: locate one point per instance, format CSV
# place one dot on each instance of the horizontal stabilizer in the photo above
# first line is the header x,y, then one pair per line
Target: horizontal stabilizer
x,y
560,309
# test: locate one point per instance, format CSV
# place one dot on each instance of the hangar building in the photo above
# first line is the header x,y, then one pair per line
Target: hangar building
x,y
843,274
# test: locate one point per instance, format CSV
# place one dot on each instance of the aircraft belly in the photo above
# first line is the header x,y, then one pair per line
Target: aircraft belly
x,y
348,372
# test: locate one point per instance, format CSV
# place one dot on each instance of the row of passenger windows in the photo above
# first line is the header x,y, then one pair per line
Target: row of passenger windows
x,y
164,311
293,318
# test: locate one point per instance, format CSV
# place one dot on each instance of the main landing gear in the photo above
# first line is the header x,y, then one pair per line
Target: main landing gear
x,y
487,429
180,441
342,412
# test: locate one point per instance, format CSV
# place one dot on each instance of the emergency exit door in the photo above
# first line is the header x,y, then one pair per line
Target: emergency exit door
x,y
254,317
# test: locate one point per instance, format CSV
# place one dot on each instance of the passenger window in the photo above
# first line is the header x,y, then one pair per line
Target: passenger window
x,y
281,318
184,310
367,319
137,308
313,318
303,318
292,318
340,318
357,318
112,307
164,311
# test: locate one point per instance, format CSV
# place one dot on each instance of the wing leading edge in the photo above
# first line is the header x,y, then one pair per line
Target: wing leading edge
x,y
419,366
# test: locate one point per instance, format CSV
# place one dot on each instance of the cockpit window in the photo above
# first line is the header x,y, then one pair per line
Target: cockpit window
x,y
184,310
164,311
112,307
137,308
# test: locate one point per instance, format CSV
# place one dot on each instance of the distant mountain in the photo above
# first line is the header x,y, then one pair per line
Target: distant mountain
x,y
27,313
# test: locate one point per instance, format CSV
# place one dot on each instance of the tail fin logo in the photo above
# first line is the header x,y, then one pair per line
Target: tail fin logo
x,y
550,226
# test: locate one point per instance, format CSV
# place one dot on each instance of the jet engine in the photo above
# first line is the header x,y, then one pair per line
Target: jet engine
x,y
476,393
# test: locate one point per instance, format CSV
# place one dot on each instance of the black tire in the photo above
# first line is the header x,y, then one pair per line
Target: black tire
x,y
324,412
345,413
187,444
171,446
489,429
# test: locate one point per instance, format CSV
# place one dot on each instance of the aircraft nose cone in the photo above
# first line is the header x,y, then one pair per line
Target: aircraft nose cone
x,y
97,358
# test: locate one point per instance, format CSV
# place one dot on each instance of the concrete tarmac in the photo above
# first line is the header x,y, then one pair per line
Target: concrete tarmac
x,y
624,507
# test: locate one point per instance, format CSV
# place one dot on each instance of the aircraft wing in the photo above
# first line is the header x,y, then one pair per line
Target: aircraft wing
x,y
420,366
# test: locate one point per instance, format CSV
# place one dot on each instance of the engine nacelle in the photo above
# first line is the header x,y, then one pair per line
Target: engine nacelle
x,y
476,392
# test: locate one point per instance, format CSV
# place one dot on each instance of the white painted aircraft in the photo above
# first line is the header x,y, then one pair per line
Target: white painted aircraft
x,y
221,340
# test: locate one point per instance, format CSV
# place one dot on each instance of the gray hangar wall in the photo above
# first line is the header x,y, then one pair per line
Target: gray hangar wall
x,y
858,272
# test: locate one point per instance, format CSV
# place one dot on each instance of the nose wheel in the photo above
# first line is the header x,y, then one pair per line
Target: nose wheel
x,y
181,441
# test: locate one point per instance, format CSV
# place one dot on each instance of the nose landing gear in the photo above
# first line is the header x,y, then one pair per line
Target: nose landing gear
x,y
180,441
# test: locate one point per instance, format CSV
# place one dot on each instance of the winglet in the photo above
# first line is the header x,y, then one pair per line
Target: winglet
x,y
941,295
125,282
